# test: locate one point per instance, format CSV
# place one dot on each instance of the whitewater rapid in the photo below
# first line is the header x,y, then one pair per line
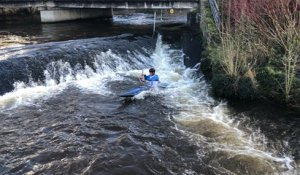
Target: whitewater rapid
x,y
208,123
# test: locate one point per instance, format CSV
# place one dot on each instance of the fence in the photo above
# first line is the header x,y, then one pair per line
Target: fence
x,y
214,7
215,12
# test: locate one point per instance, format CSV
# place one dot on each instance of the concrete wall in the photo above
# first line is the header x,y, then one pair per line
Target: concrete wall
x,y
73,14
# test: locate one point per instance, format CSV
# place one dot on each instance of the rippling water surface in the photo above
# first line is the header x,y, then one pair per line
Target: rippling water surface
x,y
63,114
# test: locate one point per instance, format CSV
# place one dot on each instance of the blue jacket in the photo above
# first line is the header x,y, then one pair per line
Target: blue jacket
x,y
152,80
151,77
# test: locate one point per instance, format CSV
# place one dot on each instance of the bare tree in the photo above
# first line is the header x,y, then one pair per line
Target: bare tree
x,y
276,25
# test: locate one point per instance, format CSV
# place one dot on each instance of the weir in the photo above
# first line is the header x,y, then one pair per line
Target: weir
x,y
61,113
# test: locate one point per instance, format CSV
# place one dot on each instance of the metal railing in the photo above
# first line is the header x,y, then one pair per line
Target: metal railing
x,y
203,24
215,12
214,7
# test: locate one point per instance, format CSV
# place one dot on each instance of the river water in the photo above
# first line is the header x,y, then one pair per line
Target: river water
x,y
61,114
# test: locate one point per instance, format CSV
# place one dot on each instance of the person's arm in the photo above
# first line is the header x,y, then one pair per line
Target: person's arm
x,y
142,77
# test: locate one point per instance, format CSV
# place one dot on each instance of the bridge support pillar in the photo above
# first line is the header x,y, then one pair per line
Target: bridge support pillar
x,y
59,15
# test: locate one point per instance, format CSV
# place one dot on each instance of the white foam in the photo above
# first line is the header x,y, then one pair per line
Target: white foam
x,y
59,75
137,19
28,94
148,18
191,98
185,92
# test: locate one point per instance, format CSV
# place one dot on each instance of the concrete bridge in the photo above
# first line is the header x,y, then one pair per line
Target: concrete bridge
x,y
62,10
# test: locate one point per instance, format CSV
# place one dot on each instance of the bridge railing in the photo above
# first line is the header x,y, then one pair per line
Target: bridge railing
x,y
203,25
215,12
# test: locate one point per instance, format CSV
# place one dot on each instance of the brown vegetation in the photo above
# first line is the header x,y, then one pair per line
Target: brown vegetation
x,y
261,40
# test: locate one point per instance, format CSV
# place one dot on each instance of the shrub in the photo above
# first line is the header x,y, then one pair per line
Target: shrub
x,y
224,86
259,49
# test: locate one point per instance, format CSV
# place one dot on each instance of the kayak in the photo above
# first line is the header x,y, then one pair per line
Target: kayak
x,y
137,90
134,91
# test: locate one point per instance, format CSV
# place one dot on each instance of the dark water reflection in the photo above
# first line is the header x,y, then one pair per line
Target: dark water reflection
x,y
71,30
278,124
93,134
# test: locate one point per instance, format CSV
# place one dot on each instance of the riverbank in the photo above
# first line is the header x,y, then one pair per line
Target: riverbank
x,y
247,62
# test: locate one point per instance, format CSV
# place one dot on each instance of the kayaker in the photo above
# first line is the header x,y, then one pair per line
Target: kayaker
x,y
152,79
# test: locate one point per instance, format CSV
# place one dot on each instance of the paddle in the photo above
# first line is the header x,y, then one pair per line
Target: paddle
x,y
142,79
